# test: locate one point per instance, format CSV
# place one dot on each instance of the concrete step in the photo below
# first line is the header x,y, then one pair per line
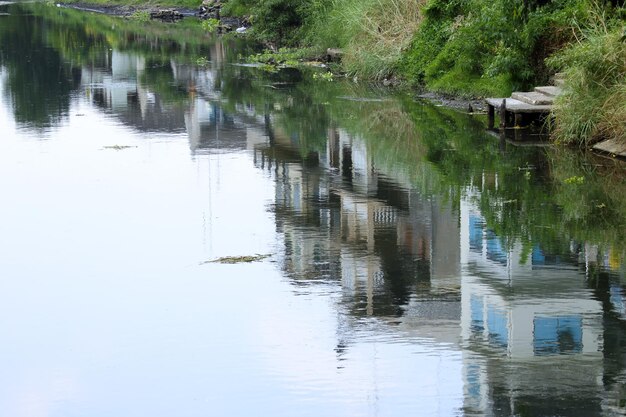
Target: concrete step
x,y
611,146
549,90
516,106
532,97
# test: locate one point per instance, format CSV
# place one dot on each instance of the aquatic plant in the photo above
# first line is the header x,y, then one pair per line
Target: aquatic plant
x,y
324,76
140,16
210,25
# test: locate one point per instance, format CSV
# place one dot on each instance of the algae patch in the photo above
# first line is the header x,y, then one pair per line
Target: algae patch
x,y
118,147
237,259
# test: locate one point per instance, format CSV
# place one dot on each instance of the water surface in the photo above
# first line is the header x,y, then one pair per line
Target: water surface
x,y
419,266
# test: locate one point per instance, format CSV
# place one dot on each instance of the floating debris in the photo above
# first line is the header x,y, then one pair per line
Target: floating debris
x,y
119,147
364,99
237,259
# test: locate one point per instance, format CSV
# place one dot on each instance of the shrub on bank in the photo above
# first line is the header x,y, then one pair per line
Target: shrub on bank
x,y
487,47
372,33
593,105
279,22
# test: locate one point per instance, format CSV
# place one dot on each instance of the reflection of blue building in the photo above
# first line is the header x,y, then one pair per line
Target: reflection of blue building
x,y
556,335
528,324
516,304
617,299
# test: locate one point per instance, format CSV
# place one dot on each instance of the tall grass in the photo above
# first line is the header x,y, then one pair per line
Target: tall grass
x,y
593,105
373,33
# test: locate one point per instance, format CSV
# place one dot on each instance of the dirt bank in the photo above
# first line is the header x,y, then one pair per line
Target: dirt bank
x,y
123,10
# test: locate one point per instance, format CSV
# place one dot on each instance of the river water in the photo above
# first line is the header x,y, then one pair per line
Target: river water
x,y
409,263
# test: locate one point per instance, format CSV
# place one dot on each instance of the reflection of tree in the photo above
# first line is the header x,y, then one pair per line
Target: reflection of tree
x,y
39,82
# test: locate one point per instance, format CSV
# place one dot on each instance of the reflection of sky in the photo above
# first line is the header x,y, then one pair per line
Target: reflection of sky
x,y
105,308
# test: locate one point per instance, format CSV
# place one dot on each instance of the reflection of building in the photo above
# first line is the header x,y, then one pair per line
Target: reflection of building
x,y
529,327
384,244
170,97
210,128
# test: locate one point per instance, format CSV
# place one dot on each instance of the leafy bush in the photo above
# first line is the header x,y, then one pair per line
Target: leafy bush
x,y
499,45
275,21
210,25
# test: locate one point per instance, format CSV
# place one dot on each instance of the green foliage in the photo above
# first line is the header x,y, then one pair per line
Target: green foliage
x,y
140,16
235,8
210,25
593,106
284,57
372,33
202,61
501,42
574,180
324,76
276,21
467,47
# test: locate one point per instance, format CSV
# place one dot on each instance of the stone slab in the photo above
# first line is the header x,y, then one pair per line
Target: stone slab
x,y
516,106
612,146
533,97
549,90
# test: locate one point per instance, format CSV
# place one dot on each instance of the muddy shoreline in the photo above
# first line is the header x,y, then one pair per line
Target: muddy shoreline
x,y
123,10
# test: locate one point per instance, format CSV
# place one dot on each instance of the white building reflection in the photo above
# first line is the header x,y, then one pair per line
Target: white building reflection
x,y
529,326
525,319
122,83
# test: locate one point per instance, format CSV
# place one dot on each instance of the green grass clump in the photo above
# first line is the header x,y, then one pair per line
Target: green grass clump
x,y
210,25
372,33
140,16
283,58
593,105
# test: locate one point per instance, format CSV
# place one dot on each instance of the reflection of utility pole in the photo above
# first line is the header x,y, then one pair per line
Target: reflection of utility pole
x,y
342,337
370,254
216,114
268,124
333,148
269,132
210,208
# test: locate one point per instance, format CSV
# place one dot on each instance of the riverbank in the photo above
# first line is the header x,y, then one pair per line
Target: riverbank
x,y
471,49
451,49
